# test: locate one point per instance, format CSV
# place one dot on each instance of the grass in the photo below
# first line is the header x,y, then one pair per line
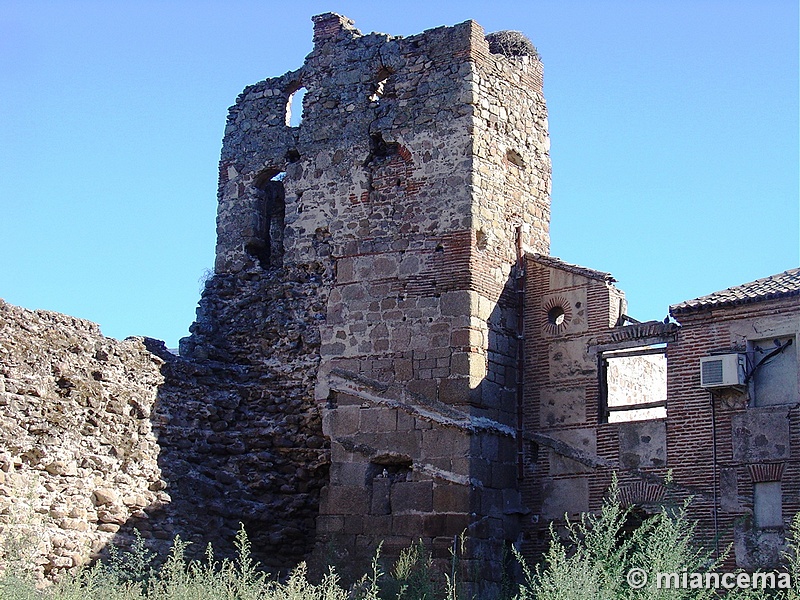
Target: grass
x,y
591,562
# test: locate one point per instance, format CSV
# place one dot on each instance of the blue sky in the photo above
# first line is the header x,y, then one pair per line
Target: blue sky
x,y
674,128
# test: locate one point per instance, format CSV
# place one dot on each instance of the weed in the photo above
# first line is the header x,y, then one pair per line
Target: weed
x,y
412,577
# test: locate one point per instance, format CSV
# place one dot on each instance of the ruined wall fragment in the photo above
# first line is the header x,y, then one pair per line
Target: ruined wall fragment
x,y
78,452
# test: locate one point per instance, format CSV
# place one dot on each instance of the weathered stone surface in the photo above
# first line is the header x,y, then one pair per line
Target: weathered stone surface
x,y
562,406
564,497
643,444
761,434
74,432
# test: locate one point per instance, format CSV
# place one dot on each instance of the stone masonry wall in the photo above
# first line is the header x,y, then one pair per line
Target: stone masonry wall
x,y
242,437
566,306
78,453
100,437
353,374
419,166
637,379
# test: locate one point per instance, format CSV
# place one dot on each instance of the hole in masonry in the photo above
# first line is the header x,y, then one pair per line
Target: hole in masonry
x,y
380,148
380,85
481,239
294,105
556,315
266,242
515,158
392,466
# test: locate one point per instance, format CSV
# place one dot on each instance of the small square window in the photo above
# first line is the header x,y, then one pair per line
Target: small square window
x,y
633,384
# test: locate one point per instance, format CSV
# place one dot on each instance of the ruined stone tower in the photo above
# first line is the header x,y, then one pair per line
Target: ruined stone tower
x,y
402,201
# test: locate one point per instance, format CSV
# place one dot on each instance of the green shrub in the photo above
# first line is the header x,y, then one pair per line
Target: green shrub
x,y
594,561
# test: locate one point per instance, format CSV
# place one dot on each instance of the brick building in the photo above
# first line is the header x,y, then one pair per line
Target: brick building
x,y
728,444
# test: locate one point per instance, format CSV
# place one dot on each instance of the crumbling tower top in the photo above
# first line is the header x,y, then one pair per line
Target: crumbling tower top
x,y
328,26
483,94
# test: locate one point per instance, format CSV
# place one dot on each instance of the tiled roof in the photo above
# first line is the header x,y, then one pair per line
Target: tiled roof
x,y
781,285
557,263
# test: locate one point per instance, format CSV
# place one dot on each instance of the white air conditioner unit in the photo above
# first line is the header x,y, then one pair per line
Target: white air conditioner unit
x,y
722,370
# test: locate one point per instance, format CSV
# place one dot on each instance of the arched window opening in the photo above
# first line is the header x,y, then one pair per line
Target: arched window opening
x,y
294,105
379,148
266,245
635,518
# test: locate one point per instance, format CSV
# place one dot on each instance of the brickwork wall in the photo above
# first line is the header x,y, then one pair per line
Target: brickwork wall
x,y
571,454
564,455
748,438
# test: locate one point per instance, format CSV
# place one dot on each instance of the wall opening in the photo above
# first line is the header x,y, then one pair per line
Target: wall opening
x,y
380,148
635,518
379,90
390,466
633,384
481,239
295,106
515,158
556,316
266,243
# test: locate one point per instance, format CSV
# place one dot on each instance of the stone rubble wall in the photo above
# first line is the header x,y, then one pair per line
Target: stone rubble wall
x,y
242,440
635,380
78,451
99,438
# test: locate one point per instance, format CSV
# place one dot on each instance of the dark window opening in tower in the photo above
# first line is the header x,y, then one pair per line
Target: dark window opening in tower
x,y
515,158
379,148
266,245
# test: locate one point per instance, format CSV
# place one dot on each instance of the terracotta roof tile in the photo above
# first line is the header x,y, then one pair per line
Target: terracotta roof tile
x,y
781,285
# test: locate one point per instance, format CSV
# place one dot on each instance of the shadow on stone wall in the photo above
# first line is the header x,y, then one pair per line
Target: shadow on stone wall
x,y
239,433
